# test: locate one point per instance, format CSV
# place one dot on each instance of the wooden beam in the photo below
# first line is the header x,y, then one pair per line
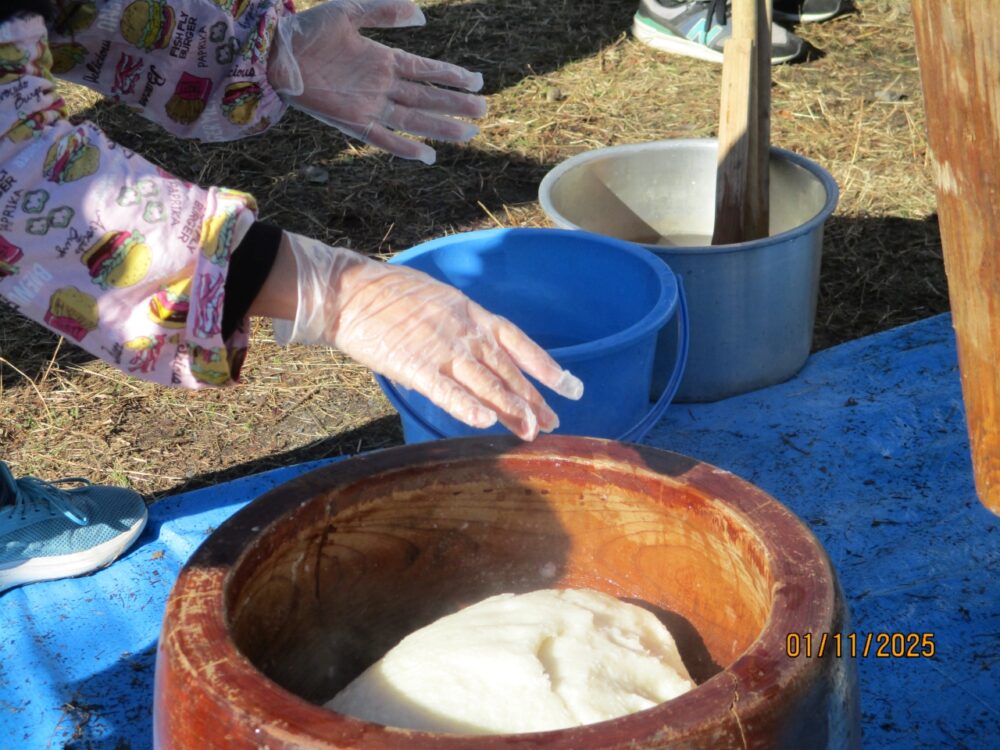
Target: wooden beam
x,y
958,45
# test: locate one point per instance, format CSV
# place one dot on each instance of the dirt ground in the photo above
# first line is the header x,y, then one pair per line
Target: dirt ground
x,y
562,76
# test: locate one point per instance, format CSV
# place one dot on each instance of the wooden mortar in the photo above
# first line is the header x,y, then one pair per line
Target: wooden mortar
x,y
304,588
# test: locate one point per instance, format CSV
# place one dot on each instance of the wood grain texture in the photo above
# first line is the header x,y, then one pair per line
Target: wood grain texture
x,y
760,168
736,146
958,45
312,582
742,184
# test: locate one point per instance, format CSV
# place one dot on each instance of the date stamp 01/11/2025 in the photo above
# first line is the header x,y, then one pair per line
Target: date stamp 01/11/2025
x,y
853,645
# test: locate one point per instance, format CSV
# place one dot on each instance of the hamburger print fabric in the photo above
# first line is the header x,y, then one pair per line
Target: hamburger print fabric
x,y
103,247
197,67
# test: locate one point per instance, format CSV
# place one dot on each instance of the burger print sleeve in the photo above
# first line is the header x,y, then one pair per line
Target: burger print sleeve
x,y
103,247
196,67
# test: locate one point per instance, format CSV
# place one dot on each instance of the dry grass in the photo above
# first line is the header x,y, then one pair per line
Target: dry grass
x,y
561,77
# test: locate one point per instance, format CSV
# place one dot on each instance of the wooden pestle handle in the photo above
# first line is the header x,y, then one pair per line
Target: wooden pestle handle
x,y
742,183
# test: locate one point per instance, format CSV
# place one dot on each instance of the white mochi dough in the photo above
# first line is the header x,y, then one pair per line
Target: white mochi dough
x,y
532,662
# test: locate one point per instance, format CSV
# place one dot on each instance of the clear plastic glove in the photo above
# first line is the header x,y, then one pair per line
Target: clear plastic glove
x,y
424,335
322,65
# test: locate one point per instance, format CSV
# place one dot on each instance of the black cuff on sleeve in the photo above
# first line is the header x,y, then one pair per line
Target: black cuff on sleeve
x,y
248,269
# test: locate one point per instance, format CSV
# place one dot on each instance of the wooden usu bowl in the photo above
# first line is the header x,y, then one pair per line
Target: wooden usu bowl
x,y
300,591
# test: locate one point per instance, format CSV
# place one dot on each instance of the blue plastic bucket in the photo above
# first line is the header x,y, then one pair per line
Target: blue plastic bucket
x,y
596,304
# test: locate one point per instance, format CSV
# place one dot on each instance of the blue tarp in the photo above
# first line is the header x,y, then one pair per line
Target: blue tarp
x,y
868,445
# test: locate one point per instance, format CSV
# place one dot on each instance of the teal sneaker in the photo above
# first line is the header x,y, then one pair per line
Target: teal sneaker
x,y
699,29
53,530
806,11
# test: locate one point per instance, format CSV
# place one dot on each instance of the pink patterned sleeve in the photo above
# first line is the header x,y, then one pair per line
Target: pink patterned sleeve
x,y
196,67
103,247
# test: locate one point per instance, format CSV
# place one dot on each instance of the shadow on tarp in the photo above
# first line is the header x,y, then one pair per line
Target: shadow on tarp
x,y
97,716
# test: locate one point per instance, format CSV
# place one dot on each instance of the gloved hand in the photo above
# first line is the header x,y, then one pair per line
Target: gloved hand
x,y
425,335
321,64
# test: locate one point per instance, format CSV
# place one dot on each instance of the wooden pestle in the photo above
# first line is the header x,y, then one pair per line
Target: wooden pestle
x,y
958,46
742,184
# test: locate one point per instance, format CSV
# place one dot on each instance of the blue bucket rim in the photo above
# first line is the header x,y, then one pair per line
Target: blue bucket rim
x,y
832,195
663,309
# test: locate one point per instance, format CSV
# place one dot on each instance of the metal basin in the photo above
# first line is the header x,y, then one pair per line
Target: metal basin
x,y
752,305
299,592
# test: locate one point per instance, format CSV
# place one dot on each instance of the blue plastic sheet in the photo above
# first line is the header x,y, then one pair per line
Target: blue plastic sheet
x,y
868,445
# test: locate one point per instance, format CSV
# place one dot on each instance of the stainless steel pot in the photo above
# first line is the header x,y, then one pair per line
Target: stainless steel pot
x,y
752,304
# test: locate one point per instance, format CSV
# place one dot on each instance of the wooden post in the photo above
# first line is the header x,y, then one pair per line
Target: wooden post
x,y
958,45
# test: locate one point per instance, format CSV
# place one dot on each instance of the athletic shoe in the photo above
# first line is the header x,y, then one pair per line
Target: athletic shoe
x,y
48,531
805,11
700,29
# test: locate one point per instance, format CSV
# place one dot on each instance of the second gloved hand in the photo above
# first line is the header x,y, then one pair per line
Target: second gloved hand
x,y
425,335
323,65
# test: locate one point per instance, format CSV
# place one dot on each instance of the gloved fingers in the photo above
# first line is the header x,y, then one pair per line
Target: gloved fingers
x,y
458,402
535,361
441,101
424,69
439,127
500,363
385,139
513,411
384,14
